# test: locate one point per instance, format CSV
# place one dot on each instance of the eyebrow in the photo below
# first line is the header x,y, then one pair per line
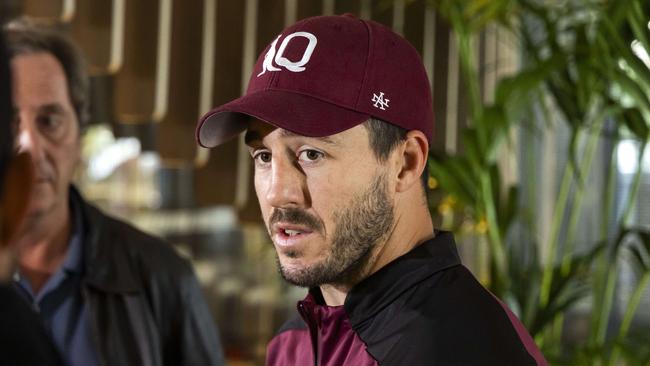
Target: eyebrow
x,y
53,108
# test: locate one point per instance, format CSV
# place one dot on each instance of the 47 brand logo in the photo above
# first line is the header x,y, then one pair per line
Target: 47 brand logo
x,y
280,60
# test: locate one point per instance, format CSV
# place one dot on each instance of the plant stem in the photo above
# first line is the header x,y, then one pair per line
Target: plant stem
x,y
494,235
630,311
603,262
607,301
612,274
531,171
558,218
634,304
636,183
576,208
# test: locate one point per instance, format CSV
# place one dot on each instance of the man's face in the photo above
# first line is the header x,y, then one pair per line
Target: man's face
x,y
326,202
47,128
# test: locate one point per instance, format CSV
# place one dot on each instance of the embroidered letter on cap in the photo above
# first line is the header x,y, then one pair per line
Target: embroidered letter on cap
x,y
379,100
280,60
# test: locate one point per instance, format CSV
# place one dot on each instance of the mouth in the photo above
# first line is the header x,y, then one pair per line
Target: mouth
x,y
289,235
42,180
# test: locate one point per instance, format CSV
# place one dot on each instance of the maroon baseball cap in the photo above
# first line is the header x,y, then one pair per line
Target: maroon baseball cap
x,y
324,75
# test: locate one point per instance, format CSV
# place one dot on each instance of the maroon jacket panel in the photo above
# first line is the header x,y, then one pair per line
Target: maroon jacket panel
x,y
424,308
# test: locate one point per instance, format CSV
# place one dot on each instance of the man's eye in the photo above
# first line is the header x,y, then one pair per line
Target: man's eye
x,y
49,122
262,157
310,155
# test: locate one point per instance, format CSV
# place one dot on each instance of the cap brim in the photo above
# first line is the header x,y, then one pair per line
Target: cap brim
x,y
295,112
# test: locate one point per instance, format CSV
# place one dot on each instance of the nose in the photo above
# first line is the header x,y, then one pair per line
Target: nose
x,y
30,141
286,185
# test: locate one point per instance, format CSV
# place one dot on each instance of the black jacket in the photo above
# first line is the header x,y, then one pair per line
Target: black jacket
x,y
145,303
424,308
23,338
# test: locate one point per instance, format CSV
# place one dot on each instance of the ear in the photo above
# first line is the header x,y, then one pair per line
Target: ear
x,y
15,196
414,152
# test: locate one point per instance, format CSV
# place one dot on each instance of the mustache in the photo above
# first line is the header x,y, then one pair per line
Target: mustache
x,y
296,216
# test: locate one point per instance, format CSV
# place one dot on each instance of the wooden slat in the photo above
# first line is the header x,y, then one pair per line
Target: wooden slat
x,y
347,6
399,10
419,29
98,28
427,44
440,81
208,46
271,19
379,11
270,23
310,8
290,11
175,137
141,84
329,7
216,181
453,81
54,11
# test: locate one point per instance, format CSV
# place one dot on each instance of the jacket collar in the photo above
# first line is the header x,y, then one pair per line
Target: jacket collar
x,y
383,287
108,266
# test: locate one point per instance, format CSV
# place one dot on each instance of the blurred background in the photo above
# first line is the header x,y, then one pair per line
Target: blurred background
x,y
539,161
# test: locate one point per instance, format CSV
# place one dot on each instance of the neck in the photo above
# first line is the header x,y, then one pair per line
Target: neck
x,y
42,245
412,226
334,295
410,230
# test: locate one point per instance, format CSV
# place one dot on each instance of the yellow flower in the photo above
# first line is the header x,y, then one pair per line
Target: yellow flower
x,y
447,205
432,183
482,227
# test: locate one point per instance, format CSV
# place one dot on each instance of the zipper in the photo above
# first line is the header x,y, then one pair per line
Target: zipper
x,y
313,332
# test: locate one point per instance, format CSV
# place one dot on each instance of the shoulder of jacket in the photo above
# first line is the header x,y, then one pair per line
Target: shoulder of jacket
x,y
142,247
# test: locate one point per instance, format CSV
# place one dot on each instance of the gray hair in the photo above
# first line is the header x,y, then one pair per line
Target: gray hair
x,y
25,37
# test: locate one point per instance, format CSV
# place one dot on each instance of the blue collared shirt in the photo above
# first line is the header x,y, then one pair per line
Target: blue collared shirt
x,y
60,302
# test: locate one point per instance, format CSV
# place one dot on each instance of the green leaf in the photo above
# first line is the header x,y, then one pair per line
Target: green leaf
x,y
510,89
497,128
509,208
638,21
632,89
567,288
637,243
633,119
454,177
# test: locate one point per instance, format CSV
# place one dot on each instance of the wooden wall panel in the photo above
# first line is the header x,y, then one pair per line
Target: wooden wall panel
x,y
308,9
271,17
54,11
149,84
175,134
135,83
215,182
382,12
414,14
440,83
98,29
347,6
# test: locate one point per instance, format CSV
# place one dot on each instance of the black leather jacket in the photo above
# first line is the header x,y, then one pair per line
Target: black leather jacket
x,y
145,303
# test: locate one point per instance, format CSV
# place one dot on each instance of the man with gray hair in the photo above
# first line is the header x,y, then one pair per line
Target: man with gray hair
x,y
107,293
23,339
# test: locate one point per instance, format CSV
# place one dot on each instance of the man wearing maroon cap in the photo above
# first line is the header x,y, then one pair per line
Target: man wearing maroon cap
x,y
338,119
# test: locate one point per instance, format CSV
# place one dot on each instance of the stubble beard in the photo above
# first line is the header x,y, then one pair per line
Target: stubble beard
x,y
360,228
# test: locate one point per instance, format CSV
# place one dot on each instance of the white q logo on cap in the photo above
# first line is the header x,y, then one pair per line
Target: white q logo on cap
x,y
280,60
